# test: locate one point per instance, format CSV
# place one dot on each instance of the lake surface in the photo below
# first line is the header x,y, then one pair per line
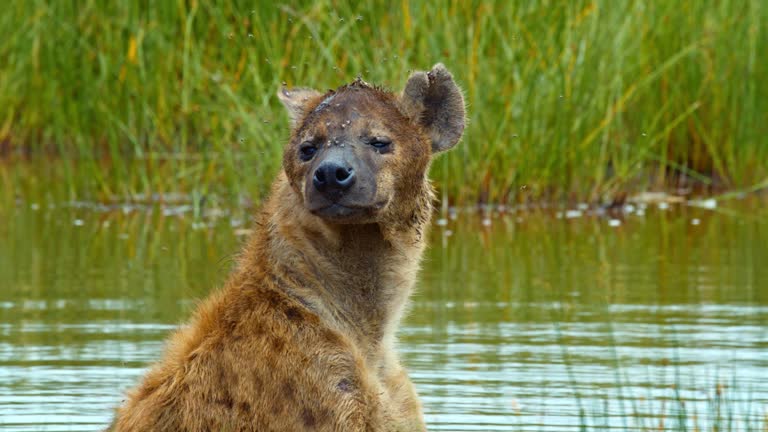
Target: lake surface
x,y
654,319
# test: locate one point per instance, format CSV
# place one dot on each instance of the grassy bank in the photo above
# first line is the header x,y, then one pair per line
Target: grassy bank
x,y
579,100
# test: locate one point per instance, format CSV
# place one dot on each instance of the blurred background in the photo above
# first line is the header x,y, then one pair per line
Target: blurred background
x,y
598,259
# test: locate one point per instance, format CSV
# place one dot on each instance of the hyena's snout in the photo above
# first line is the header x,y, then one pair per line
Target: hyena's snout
x,y
341,186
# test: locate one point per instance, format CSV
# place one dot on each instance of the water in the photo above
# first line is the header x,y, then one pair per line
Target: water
x,y
531,323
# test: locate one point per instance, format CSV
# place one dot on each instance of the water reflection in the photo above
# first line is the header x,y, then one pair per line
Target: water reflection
x,y
532,323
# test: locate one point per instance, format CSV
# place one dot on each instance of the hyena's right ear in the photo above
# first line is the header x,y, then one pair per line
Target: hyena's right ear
x,y
433,100
297,101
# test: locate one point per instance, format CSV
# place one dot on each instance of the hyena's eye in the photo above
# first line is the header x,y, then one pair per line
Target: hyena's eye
x,y
382,144
307,151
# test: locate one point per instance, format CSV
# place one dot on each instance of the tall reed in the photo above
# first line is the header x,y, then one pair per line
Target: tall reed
x,y
580,100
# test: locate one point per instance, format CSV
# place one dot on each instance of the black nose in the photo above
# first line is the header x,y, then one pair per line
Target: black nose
x,y
333,177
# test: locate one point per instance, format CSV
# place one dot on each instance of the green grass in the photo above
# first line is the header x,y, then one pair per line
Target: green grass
x,y
580,100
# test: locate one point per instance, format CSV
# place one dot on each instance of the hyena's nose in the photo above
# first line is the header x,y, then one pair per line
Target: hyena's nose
x,y
333,177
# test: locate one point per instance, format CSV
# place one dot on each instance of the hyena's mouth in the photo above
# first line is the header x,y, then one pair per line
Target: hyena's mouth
x,y
338,211
350,214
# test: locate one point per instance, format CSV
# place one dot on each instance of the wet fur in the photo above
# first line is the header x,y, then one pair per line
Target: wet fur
x,y
302,335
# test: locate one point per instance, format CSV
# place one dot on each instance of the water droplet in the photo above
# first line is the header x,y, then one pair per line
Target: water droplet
x,y
359,18
514,135
242,140
250,35
561,96
293,67
78,222
341,19
644,134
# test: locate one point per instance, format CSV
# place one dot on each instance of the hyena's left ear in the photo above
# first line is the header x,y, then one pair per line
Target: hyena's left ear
x,y
433,100
297,101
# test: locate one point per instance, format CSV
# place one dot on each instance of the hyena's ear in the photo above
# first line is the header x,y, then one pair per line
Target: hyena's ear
x,y
297,101
433,100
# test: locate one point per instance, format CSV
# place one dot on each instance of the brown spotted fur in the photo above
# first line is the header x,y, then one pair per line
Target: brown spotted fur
x,y
302,335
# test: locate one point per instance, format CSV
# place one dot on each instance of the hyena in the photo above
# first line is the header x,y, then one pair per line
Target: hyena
x,y
302,334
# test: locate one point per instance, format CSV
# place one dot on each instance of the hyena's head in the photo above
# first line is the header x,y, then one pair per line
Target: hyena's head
x,y
358,154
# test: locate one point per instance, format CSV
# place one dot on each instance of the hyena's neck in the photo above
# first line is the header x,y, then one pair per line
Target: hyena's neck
x,y
356,277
